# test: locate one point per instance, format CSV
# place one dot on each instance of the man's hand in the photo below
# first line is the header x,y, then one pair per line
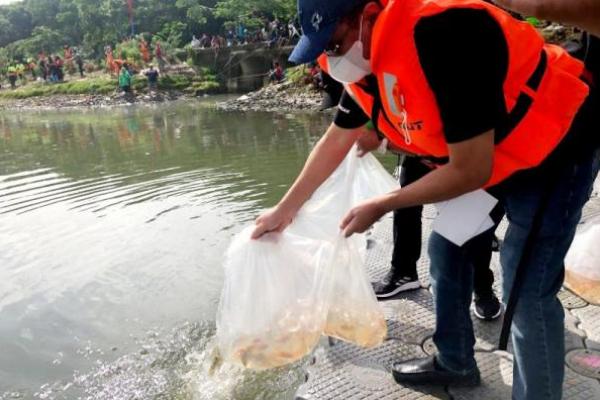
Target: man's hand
x,y
582,13
274,220
367,142
361,217
327,155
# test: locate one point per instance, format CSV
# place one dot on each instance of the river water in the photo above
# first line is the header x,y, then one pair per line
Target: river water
x,y
113,224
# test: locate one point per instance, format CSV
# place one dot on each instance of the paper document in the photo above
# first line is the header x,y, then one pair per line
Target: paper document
x,y
465,217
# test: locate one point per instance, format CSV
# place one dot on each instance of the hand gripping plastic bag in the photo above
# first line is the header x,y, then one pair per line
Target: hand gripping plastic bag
x,y
583,263
284,290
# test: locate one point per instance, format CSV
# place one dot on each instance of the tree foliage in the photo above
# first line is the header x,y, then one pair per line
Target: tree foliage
x,y
93,24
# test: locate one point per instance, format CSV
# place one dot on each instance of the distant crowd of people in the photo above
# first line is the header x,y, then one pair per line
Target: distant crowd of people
x,y
272,33
47,68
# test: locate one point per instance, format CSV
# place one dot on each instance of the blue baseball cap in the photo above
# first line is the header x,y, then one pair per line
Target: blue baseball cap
x,y
318,19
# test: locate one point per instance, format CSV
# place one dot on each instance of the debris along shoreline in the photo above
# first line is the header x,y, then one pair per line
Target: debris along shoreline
x,y
283,97
62,101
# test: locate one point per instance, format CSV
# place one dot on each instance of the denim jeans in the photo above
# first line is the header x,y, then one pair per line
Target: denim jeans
x,y
538,324
408,232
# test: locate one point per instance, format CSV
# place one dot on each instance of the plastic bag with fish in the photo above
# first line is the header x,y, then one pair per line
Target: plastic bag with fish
x,y
582,275
278,290
354,314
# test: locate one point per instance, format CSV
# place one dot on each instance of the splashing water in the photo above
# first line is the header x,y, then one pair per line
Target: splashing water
x,y
180,365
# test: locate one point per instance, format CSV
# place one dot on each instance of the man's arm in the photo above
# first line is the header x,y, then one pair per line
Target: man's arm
x,y
327,155
582,13
469,169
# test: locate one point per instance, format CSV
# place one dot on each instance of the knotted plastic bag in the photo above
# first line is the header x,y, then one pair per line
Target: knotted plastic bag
x,y
583,263
283,291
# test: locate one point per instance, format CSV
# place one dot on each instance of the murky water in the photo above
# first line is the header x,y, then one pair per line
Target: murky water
x,y
112,229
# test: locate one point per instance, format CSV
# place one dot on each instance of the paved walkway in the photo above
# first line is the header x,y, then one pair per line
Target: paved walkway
x,y
342,371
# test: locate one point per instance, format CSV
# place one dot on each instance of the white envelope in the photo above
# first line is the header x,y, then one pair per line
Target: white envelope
x,y
465,217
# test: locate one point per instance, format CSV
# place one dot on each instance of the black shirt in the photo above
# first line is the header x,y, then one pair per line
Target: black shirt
x,y
464,56
592,56
152,76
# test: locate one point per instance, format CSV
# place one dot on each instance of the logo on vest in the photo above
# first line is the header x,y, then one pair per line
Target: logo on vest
x,y
397,107
414,126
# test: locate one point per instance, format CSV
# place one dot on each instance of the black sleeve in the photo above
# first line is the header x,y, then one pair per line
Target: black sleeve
x,y
349,114
464,55
592,57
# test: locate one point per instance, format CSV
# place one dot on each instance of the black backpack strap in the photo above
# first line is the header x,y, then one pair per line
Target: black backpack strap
x,y
513,299
524,101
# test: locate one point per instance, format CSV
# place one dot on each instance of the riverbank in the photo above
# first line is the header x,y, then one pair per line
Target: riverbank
x,y
100,90
284,97
63,101
291,95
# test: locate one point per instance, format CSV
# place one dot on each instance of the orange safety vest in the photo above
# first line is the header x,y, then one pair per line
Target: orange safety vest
x,y
543,90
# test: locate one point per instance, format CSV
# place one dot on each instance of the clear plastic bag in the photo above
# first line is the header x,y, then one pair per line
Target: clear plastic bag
x,y
274,301
354,314
583,263
278,290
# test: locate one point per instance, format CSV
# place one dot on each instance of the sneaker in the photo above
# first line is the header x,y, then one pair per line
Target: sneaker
x,y
389,286
488,308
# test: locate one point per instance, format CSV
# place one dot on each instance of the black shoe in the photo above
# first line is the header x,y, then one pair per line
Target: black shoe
x,y
426,371
487,308
390,286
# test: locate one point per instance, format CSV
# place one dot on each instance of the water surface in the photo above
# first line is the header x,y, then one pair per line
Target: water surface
x,y
113,224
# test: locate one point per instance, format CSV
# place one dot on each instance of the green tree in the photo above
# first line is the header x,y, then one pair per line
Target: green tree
x,y
250,12
197,11
42,39
93,24
68,20
172,33
6,35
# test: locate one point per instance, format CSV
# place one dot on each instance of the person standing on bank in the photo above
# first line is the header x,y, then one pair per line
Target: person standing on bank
x,y
152,76
467,85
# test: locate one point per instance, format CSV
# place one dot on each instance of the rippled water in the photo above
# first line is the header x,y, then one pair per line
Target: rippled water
x,y
112,228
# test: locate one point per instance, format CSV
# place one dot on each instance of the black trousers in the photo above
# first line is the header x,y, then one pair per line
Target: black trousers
x,y
408,237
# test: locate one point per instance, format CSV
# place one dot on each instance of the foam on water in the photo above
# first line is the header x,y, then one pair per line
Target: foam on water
x,y
178,365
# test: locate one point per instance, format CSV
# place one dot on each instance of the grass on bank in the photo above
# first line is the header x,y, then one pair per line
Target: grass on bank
x,y
106,85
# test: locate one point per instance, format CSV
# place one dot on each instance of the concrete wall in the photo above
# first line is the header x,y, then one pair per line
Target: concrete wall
x,y
242,68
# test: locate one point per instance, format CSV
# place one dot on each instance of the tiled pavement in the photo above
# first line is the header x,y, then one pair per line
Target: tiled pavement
x,y
342,371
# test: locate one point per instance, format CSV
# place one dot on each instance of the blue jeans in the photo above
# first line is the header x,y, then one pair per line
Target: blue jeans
x,y
538,325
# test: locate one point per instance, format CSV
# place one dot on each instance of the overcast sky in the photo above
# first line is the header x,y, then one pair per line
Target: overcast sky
x,y
7,1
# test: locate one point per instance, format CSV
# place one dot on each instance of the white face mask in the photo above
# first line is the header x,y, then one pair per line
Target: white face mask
x,y
352,66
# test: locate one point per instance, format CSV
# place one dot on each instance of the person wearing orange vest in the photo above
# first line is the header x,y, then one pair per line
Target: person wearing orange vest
x,y
479,94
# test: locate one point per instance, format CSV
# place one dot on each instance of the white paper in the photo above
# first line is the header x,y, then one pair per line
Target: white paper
x,y
465,217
